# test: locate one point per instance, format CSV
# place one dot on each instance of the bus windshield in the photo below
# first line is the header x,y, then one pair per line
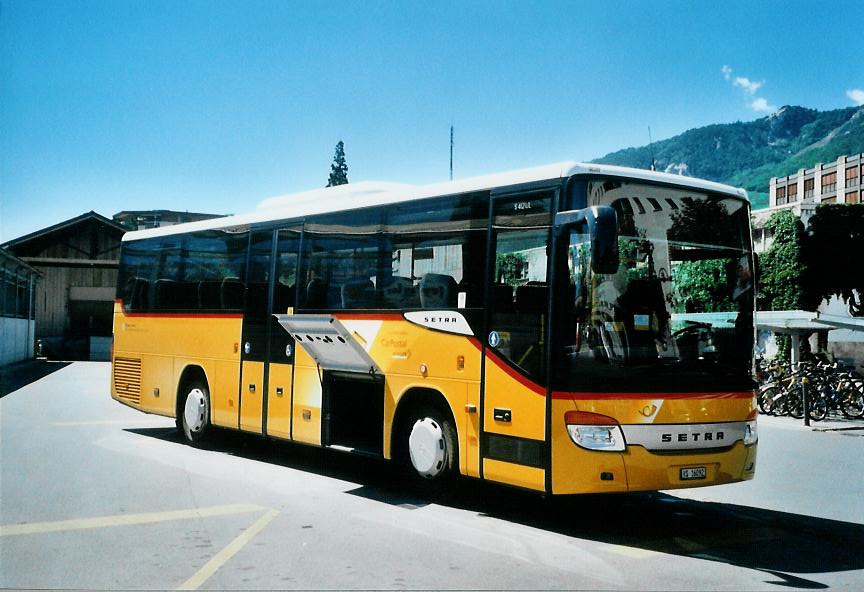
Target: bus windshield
x,y
677,314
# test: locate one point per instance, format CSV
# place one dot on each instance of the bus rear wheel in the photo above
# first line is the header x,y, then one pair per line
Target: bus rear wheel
x,y
193,419
430,449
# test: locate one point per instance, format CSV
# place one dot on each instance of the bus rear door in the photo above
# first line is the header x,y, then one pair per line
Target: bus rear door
x,y
268,351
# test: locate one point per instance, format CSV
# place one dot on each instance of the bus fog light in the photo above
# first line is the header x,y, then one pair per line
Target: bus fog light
x,y
751,435
597,437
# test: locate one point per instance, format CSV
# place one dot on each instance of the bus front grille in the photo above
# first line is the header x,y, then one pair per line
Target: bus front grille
x,y
127,379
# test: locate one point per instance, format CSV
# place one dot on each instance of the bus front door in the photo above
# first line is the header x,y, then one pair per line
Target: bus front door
x,y
514,397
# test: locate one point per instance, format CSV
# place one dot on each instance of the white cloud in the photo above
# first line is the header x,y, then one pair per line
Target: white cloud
x,y
857,95
749,86
760,105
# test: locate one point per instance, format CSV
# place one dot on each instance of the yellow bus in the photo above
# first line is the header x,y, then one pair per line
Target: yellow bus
x,y
567,329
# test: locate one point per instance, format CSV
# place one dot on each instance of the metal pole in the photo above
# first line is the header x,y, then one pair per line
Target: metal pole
x,y
805,403
796,360
31,314
451,152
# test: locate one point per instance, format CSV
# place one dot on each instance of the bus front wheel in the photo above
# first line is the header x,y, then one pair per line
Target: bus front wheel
x,y
194,415
430,447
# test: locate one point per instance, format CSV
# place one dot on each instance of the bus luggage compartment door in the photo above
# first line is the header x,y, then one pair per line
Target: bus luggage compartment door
x,y
353,412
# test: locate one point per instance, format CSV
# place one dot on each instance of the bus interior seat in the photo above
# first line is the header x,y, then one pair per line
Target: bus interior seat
x,y
400,292
283,297
232,294
358,293
643,299
502,298
531,298
210,294
173,295
437,291
316,293
473,294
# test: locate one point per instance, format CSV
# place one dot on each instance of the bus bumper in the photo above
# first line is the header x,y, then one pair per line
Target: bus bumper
x,y
575,470
648,471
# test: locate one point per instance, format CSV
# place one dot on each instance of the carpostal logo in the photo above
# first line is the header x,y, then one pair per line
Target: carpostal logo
x,y
447,321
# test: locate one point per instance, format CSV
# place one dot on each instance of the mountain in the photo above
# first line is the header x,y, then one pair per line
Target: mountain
x,y
748,154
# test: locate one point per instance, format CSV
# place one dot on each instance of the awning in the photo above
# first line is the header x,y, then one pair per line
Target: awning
x,y
838,322
798,322
789,322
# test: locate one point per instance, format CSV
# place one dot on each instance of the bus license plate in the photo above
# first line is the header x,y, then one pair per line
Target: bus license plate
x,y
692,473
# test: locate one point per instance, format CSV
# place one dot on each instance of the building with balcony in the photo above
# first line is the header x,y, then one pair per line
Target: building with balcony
x,y
838,182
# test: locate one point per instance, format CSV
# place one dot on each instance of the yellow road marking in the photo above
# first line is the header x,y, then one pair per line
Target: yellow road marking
x,y
227,553
125,519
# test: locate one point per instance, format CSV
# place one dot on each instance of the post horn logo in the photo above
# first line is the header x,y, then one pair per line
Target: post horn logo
x,y
648,410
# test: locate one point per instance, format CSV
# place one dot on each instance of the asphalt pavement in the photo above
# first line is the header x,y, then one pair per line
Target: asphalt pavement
x,y
97,496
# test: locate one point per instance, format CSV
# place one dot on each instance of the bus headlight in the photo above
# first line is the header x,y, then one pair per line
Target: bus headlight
x,y
593,431
751,436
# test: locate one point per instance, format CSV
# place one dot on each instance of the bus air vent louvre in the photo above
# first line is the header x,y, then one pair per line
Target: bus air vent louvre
x,y
127,379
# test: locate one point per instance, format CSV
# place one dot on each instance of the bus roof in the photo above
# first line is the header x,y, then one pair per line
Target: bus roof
x,y
369,193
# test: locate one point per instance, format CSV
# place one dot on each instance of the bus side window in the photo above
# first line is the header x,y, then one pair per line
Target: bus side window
x,y
340,260
437,253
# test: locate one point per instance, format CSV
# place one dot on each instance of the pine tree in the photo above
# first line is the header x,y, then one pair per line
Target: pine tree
x,y
339,168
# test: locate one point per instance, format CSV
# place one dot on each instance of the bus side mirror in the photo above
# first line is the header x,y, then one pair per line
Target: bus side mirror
x,y
602,223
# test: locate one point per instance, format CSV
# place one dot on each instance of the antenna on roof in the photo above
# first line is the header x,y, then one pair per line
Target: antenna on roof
x,y
451,152
651,148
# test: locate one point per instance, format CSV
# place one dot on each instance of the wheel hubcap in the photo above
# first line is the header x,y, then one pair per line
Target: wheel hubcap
x,y
426,447
195,412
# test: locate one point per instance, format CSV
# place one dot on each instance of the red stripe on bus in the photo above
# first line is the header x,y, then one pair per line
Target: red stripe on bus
x,y
514,374
174,315
585,396
643,396
190,315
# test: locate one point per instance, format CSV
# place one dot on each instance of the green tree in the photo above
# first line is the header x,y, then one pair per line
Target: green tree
x,y
780,281
509,268
339,168
780,270
702,286
830,249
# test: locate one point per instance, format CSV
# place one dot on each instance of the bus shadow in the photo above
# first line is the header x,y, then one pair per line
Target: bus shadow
x,y
777,543
19,374
375,477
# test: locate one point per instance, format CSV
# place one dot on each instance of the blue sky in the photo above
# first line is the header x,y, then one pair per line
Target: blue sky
x,y
214,106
